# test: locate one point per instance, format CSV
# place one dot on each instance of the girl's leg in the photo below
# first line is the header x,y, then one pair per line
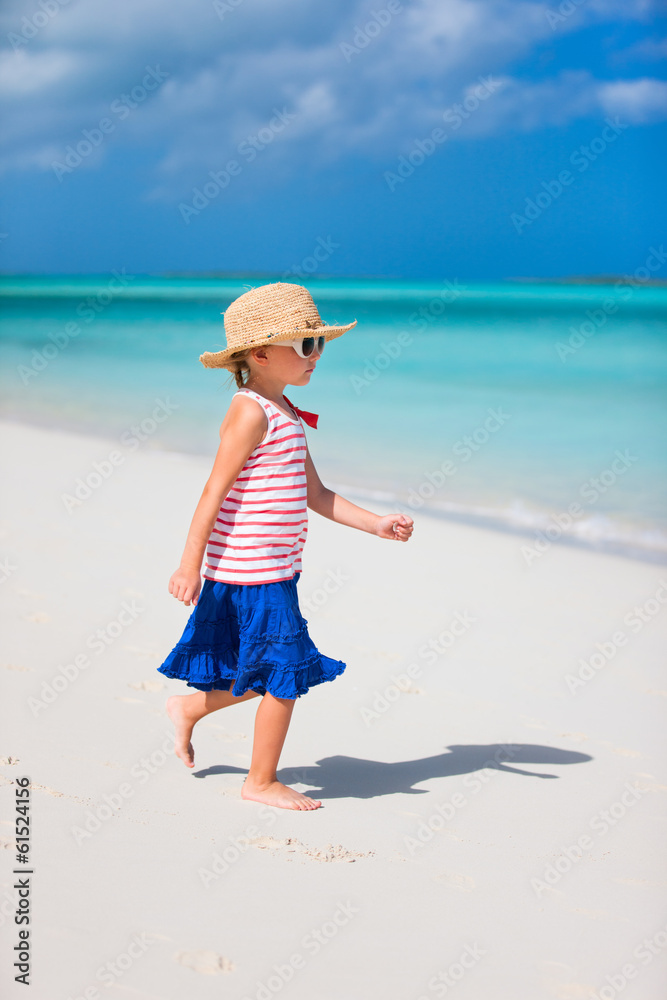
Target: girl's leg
x,y
271,725
186,710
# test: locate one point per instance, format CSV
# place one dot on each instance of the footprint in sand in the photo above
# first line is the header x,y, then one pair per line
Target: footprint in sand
x,y
38,616
142,652
208,963
455,881
560,982
533,724
56,794
621,751
221,733
291,845
147,686
647,784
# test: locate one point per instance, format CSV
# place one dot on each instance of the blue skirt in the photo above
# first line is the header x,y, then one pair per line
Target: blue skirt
x,y
251,636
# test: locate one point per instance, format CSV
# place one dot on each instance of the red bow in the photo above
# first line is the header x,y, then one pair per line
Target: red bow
x,y
310,418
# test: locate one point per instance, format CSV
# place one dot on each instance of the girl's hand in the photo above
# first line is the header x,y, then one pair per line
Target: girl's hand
x,y
185,585
397,527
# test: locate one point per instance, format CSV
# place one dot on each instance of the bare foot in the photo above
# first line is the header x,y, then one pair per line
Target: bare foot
x,y
183,725
277,794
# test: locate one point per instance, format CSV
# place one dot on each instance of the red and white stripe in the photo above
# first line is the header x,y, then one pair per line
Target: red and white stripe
x,y
262,523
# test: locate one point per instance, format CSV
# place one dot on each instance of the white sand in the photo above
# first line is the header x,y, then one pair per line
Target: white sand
x,y
414,879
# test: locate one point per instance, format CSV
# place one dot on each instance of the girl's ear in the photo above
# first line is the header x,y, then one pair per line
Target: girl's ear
x,y
260,356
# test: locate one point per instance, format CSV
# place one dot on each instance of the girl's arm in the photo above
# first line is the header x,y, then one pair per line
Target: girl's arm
x,y
397,527
242,429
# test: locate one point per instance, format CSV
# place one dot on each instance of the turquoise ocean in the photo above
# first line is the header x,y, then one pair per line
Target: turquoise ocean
x,y
537,408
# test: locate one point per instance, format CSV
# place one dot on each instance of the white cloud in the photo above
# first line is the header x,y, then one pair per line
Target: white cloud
x,y
24,72
522,106
226,76
640,102
645,50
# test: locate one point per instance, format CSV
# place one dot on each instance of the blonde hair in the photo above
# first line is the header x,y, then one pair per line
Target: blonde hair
x,y
238,365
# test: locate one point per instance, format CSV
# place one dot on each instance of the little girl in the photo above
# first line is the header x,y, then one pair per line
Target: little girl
x,y
246,637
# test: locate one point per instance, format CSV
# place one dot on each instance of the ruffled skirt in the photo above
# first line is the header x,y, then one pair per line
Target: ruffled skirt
x,y
251,636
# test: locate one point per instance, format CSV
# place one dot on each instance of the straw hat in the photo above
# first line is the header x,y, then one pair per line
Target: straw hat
x,y
269,314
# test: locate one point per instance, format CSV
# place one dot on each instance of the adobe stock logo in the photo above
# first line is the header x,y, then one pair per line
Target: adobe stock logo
x,y
122,107
249,149
554,188
454,117
364,34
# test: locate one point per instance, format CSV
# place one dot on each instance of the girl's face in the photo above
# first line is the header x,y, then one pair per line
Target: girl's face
x,y
284,364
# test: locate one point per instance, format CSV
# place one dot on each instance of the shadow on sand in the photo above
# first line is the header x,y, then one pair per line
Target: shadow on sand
x,y
351,777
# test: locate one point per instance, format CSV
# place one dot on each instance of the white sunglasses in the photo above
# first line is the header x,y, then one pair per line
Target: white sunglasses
x,y
305,346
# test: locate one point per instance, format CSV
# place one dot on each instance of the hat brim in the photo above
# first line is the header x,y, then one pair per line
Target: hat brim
x,y
220,359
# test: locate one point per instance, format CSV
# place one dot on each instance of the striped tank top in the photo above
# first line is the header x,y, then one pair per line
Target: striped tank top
x,y
262,523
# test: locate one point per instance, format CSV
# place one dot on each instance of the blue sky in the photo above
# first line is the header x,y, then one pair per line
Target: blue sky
x,y
116,115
